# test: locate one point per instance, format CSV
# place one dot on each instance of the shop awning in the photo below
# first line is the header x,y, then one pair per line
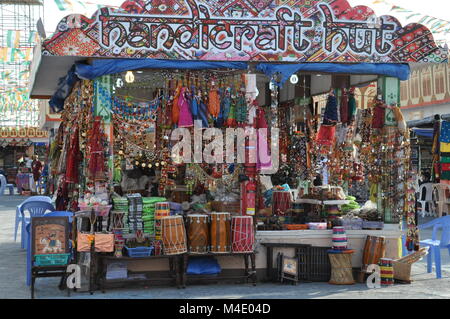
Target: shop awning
x,y
400,71
111,66
423,132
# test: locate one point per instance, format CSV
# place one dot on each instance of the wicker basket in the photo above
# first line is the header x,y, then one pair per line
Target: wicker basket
x,y
402,271
402,266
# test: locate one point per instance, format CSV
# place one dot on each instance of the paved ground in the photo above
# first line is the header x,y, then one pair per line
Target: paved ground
x,y
13,267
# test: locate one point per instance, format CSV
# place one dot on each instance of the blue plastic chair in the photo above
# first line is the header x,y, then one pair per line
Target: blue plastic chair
x,y
28,231
435,244
4,185
36,209
19,216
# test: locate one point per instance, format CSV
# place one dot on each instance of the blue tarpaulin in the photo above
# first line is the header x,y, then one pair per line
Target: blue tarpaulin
x,y
111,66
423,132
65,86
400,71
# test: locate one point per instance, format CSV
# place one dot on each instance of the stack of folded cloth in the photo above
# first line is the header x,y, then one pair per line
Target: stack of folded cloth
x,y
444,139
148,213
121,204
135,221
175,209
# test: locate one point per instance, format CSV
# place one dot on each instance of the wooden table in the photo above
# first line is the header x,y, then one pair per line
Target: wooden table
x,y
247,272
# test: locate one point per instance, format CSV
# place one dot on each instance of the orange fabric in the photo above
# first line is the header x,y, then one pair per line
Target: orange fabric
x,y
84,241
214,103
104,243
175,107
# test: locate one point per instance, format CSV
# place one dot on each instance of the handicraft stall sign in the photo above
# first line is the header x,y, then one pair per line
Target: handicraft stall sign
x,y
243,30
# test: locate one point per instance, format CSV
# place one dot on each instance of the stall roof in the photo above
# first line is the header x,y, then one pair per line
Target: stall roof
x,y
232,31
427,121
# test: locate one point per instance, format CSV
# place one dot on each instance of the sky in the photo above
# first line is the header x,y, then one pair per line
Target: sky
x,y
436,8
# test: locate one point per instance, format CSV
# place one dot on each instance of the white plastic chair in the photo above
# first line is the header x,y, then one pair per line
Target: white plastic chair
x,y
428,188
440,198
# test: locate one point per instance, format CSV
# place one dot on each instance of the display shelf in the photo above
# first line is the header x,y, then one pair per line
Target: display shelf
x,y
173,274
247,275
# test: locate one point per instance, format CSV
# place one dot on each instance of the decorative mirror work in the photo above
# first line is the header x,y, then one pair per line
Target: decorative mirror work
x,y
242,30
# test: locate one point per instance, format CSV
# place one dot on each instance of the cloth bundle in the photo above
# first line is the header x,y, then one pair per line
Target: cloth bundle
x,y
148,213
121,204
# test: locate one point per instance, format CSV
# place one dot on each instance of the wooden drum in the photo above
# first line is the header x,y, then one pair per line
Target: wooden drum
x,y
198,233
242,234
374,250
173,235
220,232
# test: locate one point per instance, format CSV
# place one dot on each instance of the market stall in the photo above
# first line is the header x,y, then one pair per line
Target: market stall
x,y
189,129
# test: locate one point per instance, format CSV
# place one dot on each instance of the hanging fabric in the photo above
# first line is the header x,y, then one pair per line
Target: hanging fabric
x,y
185,118
351,105
241,110
344,107
331,113
264,160
73,159
378,115
203,113
96,165
175,106
214,103
326,134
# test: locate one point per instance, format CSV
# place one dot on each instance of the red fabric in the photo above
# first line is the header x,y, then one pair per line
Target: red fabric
x,y
378,115
326,134
73,158
96,165
37,166
445,166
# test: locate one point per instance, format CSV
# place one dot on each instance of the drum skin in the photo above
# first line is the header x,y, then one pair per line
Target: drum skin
x,y
198,233
243,235
220,232
173,235
374,250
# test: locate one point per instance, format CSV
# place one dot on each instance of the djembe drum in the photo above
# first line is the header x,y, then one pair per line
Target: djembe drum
x,y
162,210
387,271
281,202
198,233
374,250
220,232
242,234
173,235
